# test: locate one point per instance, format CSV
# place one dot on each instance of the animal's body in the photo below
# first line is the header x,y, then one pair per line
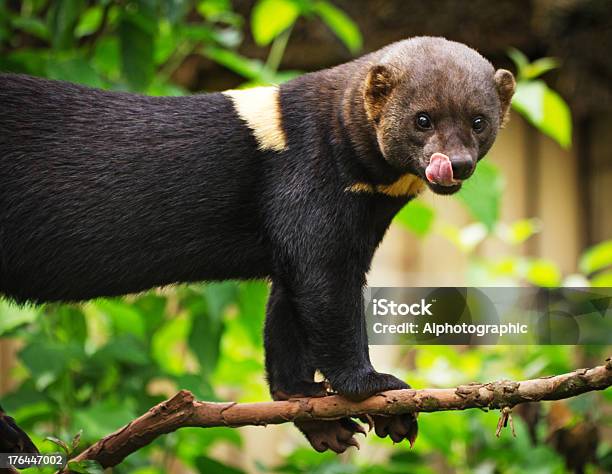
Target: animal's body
x,y
105,193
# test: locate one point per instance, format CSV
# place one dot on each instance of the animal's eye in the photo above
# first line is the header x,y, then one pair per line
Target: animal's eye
x,y
423,122
479,124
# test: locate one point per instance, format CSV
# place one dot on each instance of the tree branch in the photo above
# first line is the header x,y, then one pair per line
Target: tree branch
x,y
182,410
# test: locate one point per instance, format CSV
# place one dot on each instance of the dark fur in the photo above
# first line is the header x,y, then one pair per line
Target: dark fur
x,y
104,193
13,439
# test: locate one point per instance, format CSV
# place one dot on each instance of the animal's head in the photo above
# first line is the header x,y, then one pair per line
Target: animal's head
x,y
436,107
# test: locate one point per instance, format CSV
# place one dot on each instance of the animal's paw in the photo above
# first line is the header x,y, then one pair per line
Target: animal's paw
x,y
337,435
397,427
358,387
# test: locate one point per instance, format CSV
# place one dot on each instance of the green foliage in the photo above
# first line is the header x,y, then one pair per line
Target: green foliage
x,y
97,366
597,258
527,71
545,109
85,467
206,464
137,27
543,273
340,24
416,217
139,45
272,17
62,20
519,231
481,194
538,103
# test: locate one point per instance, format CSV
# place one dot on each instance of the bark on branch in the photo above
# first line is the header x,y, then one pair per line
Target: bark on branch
x,y
182,410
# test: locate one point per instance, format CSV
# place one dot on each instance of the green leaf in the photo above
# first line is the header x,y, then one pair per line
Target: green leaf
x,y
220,11
89,22
213,8
539,67
106,57
198,384
527,70
219,296
271,17
31,25
206,464
86,467
62,20
252,306
198,32
76,440
481,194
207,309
100,419
137,35
248,68
73,69
467,238
70,323
27,402
543,273
29,61
602,280
545,109
122,348
46,360
340,23
519,59
13,316
153,308
126,318
205,339
174,10
168,345
192,442
518,231
596,258
417,217
60,444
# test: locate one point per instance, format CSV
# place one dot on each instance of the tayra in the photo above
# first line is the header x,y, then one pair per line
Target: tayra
x,y
105,193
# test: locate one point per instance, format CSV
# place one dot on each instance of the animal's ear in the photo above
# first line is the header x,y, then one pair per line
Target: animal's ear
x,y
505,84
380,82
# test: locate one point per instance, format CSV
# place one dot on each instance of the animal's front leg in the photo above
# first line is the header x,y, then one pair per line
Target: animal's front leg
x,y
291,373
330,309
331,314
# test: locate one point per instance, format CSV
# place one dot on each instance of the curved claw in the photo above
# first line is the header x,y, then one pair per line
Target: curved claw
x,y
337,435
397,427
367,418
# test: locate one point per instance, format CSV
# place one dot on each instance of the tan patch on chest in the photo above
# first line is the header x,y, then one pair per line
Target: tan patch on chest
x,y
260,109
405,186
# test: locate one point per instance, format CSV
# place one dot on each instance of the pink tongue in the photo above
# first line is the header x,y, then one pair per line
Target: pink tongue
x,y
440,171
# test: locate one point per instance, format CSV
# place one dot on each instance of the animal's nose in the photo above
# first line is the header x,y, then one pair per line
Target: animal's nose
x,y
463,166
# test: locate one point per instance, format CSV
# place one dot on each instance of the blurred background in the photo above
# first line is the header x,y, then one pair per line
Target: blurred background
x,y
537,212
